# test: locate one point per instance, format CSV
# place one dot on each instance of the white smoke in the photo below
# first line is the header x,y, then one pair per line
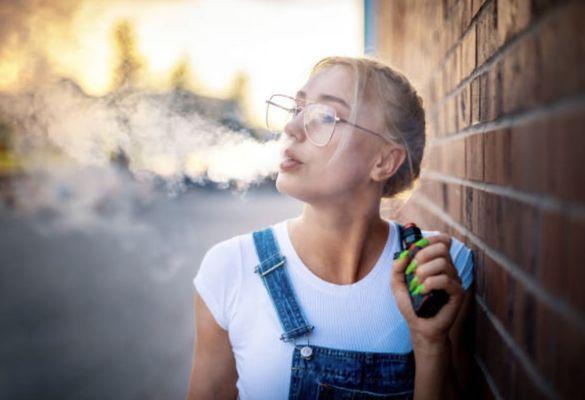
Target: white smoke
x,y
89,160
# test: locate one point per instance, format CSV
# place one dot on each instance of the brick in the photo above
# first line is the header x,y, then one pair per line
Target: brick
x,y
477,212
552,254
497,157
494,353
520,77
541,7
484,98
487,34
430,129
439,85
491,206
561,43
509,374
475,101
450,116
454,156
479,263
496,91
432,190
574,234
565,146
479,218
463,103
498,281
513,17
531,162
467,206
455,22
570,373
466,8
446,78
520,231
474,157
523,320
456,67
468,54
475,6
454,206
559,346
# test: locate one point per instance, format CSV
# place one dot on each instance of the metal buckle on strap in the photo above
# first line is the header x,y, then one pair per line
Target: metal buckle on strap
x,y
269,270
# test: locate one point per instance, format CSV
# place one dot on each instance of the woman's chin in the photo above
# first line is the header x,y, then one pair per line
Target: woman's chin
x,y
289,187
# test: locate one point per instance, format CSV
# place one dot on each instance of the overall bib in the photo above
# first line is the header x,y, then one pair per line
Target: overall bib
x,y
322,372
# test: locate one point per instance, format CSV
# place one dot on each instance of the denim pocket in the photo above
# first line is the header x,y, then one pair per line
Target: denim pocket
x,y
327,391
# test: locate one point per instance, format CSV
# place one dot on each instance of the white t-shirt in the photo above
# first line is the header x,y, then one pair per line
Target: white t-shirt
x,y
362,316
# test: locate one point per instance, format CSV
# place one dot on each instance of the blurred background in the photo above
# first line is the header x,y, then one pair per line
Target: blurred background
x,y
132,139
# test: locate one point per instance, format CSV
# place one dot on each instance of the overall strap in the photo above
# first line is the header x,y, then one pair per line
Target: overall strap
x,y
275,278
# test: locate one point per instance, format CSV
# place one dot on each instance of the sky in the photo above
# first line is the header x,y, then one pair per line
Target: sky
x,y
274,42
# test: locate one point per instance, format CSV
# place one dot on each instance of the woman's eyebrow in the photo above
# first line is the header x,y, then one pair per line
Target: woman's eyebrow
x,y
327,97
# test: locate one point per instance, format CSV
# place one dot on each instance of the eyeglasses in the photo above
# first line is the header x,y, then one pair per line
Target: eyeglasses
x,y
318,119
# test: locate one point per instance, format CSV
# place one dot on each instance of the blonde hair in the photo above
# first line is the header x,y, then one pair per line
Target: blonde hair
x,y
401,107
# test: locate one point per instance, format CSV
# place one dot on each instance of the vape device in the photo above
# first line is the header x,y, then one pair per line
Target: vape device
x,y
412,241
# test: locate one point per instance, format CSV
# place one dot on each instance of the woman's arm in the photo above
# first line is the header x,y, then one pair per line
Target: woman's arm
x,y
213,372
443,367
437,341
434,373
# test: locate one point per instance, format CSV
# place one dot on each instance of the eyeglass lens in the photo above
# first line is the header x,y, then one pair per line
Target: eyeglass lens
x,y
318,119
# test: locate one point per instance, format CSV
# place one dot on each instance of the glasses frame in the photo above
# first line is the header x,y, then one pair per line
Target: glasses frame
x,y
336,118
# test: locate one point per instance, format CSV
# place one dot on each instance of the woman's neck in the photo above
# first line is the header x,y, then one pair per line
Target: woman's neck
x,y
340,248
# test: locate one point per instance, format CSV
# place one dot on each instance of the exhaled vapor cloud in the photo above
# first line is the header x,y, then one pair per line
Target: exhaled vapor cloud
x,y
68,144
83,157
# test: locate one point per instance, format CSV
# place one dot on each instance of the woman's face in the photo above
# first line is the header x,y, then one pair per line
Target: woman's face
x,y
319,177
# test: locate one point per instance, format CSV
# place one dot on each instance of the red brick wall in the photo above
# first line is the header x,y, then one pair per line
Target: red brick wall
x,y
503,83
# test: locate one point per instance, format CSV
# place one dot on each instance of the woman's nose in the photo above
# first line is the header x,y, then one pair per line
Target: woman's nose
x,y
295,128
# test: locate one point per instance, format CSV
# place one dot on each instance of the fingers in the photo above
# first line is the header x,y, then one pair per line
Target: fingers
x,y
444,282
440,238
436,266
398,278
399,265
431,251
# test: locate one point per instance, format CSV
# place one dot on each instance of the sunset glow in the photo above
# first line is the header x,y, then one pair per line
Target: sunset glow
x,y
273,42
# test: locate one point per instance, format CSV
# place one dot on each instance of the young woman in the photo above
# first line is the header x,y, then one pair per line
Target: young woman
x,y
315,306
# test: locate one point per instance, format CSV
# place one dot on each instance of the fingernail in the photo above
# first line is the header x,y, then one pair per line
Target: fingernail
x,y
413,283
419,289
410,267
403,255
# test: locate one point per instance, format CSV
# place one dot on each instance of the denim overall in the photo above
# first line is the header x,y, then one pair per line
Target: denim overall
x,y
322,372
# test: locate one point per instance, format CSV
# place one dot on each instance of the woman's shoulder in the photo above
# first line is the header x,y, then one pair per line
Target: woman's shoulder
x,y
240,247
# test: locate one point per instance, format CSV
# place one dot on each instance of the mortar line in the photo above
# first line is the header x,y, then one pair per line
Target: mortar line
x,y
542,201
547,110
497,55
557,305
528,365
488,377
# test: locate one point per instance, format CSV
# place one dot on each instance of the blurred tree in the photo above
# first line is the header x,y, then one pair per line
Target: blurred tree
x,y
129,62
181,75
240,87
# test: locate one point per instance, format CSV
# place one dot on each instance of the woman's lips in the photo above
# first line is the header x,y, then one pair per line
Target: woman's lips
x,y
289,164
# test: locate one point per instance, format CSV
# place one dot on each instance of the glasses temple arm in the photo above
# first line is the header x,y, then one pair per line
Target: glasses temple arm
x,y
361,127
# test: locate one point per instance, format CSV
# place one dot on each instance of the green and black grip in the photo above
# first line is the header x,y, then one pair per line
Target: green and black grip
x,y
424,305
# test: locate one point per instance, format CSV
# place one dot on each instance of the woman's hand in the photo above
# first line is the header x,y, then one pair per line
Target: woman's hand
x,y
435,270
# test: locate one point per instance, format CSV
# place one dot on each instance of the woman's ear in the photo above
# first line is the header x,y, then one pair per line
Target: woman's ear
x,y
388,160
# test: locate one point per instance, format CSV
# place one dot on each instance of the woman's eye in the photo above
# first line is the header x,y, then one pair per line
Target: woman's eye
x,y
328,119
